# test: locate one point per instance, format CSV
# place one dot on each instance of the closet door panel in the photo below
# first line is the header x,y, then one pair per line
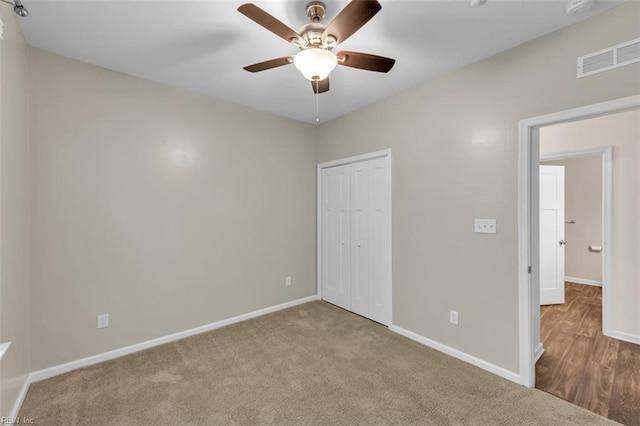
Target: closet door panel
x,y
379,215
360,238
336,267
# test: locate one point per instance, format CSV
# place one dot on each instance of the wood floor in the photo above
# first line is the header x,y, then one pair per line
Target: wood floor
x,y
583,366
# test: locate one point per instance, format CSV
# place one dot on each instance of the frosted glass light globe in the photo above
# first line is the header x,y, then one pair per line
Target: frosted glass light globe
x,y
315,64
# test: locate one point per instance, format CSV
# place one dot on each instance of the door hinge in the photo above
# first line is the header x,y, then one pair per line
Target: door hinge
x,y
529,269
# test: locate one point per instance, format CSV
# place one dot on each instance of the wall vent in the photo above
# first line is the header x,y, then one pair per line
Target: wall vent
x,y
610,58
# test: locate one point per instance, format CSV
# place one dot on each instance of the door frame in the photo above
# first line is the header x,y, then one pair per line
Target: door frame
x,y
528,222
340,162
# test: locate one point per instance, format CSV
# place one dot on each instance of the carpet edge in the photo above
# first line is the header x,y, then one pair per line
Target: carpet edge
x,y
456,353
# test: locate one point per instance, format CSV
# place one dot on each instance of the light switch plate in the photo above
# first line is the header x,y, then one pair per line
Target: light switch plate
x,y
103,320
485,226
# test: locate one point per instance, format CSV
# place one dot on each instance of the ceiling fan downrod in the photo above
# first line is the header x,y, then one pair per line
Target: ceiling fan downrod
x,y
315,11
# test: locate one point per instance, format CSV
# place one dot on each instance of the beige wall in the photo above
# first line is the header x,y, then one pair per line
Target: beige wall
x,y
165,209
14,211
583,203
622,131
455,151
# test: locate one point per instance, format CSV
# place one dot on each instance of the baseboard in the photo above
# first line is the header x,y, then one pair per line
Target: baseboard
x,y
4,347
538,352
117,353
583,281
627,337
23,393
502,372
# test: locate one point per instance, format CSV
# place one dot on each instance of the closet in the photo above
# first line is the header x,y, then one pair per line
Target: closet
x,y
355,235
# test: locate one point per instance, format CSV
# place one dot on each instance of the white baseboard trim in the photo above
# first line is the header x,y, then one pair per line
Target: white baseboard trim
x,y
502,372
538,352
23,393
4,347
583,281
627,337
117,353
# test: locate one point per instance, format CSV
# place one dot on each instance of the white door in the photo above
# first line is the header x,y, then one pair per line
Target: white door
x,y
552,241
336,244
360,238
380,240
371,239
355,237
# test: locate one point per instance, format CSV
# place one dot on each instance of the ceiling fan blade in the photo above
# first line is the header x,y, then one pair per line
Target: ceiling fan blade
x,y
271,63
265,19
365,61
351,19
320,86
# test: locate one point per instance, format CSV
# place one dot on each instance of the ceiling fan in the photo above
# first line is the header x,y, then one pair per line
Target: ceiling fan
x,y
316,41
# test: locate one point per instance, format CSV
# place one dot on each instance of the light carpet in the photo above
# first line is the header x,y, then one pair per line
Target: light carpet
x,y
311,364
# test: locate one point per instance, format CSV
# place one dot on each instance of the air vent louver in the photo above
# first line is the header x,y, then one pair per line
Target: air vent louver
x,y
610,58
629,53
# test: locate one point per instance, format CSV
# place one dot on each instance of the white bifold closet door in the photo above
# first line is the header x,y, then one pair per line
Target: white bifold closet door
x,y
336,242
356,238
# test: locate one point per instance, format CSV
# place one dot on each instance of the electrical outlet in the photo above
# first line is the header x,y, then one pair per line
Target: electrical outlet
x,y
453,317
287,281
103,320
485,226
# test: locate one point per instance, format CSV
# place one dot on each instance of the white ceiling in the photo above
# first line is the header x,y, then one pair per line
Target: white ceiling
x,y
201,46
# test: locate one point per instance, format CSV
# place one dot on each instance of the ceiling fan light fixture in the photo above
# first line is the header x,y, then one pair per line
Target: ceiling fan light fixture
x,y
315,63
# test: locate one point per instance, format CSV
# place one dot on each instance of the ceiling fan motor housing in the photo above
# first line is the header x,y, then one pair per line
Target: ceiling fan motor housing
x,y
312,33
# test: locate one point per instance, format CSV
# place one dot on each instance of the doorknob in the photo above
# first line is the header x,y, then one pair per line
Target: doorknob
x,y
562,242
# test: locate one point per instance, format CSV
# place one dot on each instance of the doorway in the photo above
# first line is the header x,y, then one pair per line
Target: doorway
x,y
619,273
579,362
528,233
573,248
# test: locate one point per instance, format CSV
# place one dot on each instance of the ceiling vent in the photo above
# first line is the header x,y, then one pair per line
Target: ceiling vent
x,y
610,58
